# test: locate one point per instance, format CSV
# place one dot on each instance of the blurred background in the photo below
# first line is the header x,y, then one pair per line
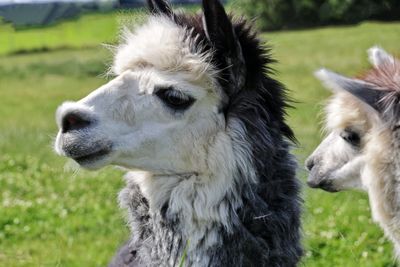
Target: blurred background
x,y
52,214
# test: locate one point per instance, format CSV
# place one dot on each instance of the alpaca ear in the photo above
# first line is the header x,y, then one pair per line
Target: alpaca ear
x,y
159,7
221,34
379,57
364,91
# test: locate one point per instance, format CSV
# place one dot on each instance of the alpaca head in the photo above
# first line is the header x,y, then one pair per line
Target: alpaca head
x,y
336,163
165,105
359,109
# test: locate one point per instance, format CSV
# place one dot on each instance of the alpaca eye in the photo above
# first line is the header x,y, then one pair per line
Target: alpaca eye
x,y
351,137
174,99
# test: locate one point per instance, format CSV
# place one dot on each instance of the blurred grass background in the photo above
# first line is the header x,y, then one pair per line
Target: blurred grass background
x,y
51,215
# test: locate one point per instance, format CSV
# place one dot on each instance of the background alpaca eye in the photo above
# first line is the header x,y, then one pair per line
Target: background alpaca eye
x,y
396,127
351,137
174,99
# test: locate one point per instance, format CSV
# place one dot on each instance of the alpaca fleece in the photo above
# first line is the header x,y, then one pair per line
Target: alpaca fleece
x,y
261,226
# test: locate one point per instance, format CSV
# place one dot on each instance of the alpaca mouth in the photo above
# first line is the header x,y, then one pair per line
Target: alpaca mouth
x,y
325,185
92,156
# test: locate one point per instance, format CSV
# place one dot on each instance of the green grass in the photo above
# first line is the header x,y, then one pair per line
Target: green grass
x,y
52,215
86,31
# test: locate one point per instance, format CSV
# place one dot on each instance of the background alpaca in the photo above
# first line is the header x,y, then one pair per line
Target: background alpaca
x,y
369,150
193,106
337,162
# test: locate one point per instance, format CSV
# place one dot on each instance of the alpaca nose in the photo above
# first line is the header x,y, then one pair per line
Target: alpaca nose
x,y
310,164
74,121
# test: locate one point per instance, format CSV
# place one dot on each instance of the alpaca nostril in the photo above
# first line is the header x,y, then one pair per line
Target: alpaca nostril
x,y
73,121
310,164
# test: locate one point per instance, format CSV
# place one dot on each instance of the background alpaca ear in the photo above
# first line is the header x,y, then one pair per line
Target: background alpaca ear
x,y
362,90
379,57
159,7
221,34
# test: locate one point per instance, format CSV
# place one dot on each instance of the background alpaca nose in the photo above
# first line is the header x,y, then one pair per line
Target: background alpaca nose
x,y
310,163
74,121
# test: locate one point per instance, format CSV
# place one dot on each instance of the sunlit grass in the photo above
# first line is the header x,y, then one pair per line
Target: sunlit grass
x,y
54,216
86,31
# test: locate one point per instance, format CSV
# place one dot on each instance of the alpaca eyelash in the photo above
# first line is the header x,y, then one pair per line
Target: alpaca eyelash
x,y
175,100
351,137
171,90
179,94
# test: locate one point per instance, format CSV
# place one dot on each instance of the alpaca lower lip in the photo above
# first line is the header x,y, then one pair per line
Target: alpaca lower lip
x,y
325,185
92,156
329,188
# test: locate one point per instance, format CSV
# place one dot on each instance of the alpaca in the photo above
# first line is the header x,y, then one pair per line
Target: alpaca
x,y
196,119
336,164
364,139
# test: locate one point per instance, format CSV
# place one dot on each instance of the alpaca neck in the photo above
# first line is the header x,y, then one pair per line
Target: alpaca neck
x,y
224,216
196,202
184,214
207,199
195,209
384,195
383,180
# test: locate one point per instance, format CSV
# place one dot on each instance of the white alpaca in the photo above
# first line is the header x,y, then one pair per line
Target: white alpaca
x,y
196,119
363,148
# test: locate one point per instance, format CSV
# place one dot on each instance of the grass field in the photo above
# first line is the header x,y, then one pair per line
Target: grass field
x,y
51,215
